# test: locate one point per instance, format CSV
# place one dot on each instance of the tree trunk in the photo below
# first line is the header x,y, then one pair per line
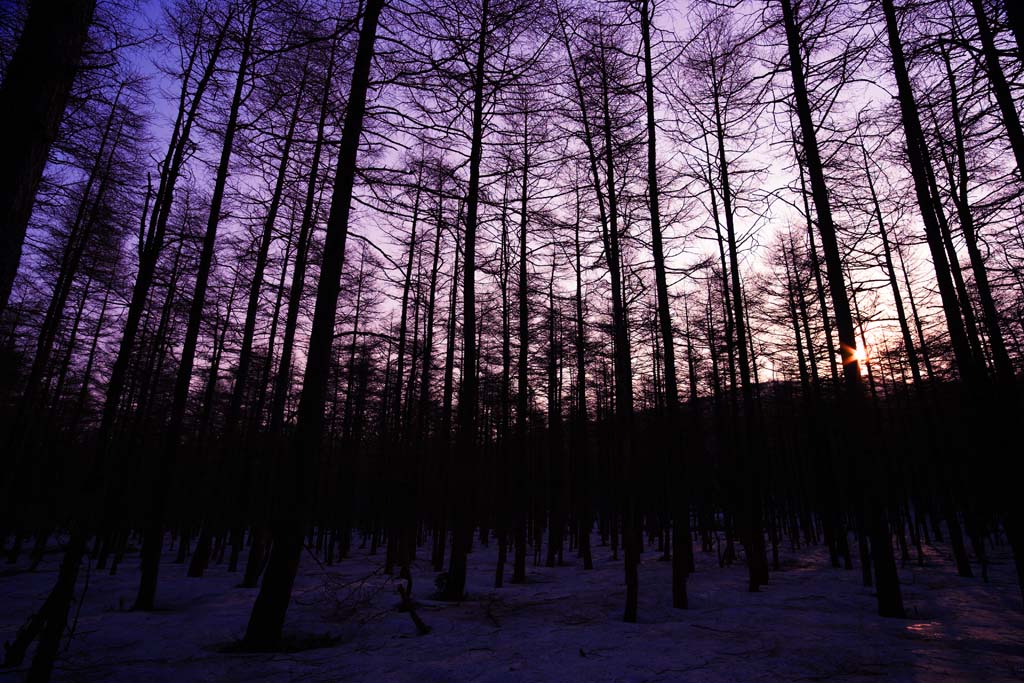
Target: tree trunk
x,y
283,376
151,243
521,494
1000,88
267,619
462,532
933,231
680,513
33,96
753,534
890,601
901,316
262,252
819,287
153,535
1003,366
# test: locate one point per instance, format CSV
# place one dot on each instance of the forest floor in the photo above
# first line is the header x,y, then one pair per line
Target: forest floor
x,y
812,623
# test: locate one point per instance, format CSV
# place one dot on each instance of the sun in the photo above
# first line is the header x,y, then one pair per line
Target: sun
x,y
860,354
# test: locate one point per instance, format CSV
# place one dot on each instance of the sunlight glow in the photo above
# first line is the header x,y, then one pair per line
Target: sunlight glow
x,y
860,354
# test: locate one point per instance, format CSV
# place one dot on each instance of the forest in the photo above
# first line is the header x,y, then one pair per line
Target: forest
x,y
667,304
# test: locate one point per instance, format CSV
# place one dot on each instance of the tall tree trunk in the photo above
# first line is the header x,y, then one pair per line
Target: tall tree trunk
x,y
443,438
281,380
680,513
504,474
151,243
462,531
961,198
751,505
819,287
890,601
23,432
730,326
77,241
403,320
588,138
149,246
794,318
622,364
819,191
631,531
1000,88
153,535
933,231
522,385
33,96
427,368
581,447
262,253
966,305
267,619
263,385
556,458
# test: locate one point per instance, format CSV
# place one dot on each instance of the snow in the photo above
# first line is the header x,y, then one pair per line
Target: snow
x,y
812,623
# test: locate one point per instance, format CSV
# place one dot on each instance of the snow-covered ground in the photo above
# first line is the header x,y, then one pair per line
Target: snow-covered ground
x,y
812,623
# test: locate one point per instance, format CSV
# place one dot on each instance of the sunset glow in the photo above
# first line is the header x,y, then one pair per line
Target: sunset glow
x,y
860,355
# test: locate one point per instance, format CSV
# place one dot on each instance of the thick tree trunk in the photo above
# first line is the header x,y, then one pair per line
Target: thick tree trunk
x,y
1000,87
56,607
267,619
1015,18
32,100
916,154
819,191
